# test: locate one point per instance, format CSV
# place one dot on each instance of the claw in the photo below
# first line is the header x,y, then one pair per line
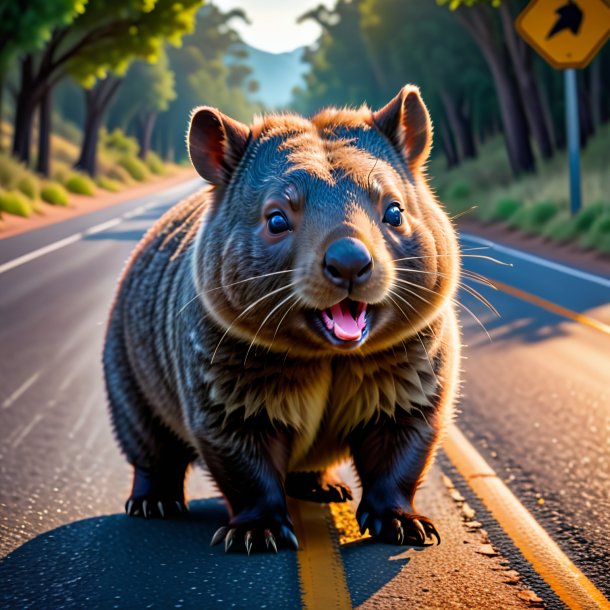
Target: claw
x,y
290,537
129,507
179,506
145,508
347,494
248,542
420,530
219,535
433,532
377,524
400,532
230,538
362,522
270,540
160,507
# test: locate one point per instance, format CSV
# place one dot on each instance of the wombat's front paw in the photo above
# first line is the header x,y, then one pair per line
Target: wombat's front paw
x,y
397,526
316,487
260,534
150,506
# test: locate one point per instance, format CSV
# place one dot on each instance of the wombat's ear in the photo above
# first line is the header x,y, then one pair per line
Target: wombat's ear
x,y
406,123
216,143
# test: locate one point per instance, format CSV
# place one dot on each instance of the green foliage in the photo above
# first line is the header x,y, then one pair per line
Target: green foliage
x,y
460,189
116,141
120,174
108,184
598,235
154,163
54,193
562,228
14,202
501,210
135,167
587,216
28,185
80,184
532,219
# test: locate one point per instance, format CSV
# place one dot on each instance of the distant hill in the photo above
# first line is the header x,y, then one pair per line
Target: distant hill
x,y
277,74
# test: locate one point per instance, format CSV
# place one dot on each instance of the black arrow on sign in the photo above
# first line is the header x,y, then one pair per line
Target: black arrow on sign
x,y
570,18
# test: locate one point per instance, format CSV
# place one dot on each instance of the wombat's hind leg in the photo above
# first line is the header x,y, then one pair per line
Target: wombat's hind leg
x,y
317,487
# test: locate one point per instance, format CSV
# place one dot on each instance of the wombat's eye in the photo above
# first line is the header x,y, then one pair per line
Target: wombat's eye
x,y
277,223
393,215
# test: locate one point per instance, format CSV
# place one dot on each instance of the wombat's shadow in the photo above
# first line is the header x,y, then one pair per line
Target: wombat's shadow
x,y
119,562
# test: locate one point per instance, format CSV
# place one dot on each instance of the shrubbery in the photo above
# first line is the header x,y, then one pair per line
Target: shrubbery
x,y
154,163
598,236
532,219
501,210
135,167
14,202
81,185
108,184
54,193
29,186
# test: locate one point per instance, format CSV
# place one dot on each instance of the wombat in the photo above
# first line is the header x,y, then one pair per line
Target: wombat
x,y
296,313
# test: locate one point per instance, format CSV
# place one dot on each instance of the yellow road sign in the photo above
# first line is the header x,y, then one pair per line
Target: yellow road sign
x,y
567,33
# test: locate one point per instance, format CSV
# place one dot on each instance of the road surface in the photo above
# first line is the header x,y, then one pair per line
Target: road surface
x,y
536,403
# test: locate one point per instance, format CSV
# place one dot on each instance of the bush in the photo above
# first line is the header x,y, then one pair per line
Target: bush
x,y
501,210
154,163
116,141
532,219
135,167
54,193
29,186
460,189
598,236
108,184
11,171
118,173
14,202
587,216
562,228
81,185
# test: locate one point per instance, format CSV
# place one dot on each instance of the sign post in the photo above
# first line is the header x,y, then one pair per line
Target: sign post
x,y
567,34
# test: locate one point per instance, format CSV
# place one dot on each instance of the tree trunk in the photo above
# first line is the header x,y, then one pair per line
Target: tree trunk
x,y
44,134
477,21
97,101
145,130
24,112
460,125
521,56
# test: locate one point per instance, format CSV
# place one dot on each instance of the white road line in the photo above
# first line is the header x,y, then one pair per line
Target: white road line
x,y
160,199
26,430
85,412
532,258
21,390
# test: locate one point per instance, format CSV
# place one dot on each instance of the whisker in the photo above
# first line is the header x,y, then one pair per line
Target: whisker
x,y
269,315
245,311
471,275
248,279
463,212
462,255
474,317
479,297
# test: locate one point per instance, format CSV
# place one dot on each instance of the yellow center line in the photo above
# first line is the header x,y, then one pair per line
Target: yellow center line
x,y
323,582
568,582
552,307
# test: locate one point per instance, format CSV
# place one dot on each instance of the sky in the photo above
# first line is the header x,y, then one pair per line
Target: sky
x,y
273,23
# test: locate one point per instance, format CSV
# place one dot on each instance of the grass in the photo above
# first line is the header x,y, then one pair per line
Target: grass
x,y
16,203
80,184
598,236
536,204
154,163
108,184
54,193
135,167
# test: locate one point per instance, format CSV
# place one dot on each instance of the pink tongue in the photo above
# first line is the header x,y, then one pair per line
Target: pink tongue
x,y
346,327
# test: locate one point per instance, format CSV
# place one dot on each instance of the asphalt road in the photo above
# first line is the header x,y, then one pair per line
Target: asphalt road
x,y
536,398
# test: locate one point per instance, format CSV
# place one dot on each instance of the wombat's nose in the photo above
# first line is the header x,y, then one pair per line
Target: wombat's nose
x,y
346,262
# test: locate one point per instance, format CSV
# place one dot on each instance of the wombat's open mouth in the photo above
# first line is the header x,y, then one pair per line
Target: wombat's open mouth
x,y
345,320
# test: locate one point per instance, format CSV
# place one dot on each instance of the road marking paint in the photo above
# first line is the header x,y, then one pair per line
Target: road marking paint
x,y
84,414
160,199
26,430
568,582
323,582
583,275
103,226
552,307
24,387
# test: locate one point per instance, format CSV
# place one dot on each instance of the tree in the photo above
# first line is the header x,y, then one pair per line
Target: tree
x,y
104,38
27,26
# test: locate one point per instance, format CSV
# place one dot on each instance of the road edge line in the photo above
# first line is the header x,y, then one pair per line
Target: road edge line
x,y
542,552
321,572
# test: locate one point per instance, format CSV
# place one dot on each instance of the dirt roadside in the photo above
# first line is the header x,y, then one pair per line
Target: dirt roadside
x,y
79,204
